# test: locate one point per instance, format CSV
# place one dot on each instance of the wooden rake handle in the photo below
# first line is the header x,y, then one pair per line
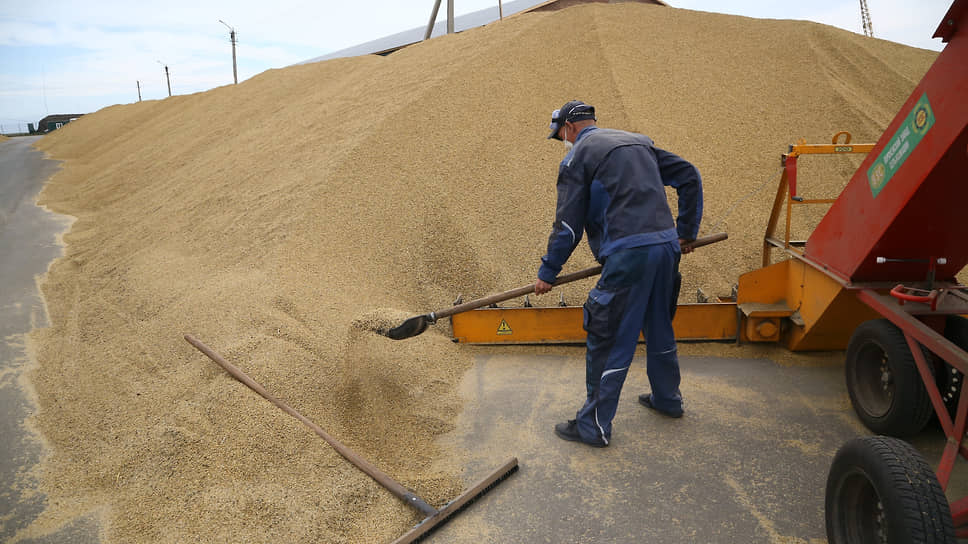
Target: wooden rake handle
x,y
389,483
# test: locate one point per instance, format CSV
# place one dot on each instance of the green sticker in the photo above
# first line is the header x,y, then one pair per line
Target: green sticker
x,y
897,150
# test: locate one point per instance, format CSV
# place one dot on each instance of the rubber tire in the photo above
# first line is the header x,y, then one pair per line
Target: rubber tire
x,y
909,410
881,490
950,380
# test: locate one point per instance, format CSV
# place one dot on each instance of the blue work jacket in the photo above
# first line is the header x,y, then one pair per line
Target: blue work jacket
x,y
611,185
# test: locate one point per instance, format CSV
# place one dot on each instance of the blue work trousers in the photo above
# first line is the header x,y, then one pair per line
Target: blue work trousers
x,y
635,293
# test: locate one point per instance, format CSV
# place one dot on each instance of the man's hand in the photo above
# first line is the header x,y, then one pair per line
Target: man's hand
x,y
541,287
684,247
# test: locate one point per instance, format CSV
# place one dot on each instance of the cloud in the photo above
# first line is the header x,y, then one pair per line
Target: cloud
x,y
102,48
901,21
912,23
95,56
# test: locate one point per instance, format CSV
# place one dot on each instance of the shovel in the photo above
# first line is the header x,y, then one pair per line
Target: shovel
x,y
418,324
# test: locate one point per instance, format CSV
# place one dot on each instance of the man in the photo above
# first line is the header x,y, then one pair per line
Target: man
x,y
611,185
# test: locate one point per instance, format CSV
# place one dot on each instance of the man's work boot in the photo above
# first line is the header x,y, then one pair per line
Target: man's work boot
x,y
569,431
646,400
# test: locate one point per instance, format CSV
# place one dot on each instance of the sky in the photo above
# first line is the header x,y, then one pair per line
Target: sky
x,y
78,56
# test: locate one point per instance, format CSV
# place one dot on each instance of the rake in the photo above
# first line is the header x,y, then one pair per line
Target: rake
x,y
433,518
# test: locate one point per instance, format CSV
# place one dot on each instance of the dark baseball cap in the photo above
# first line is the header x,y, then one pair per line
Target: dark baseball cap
x,y
571,112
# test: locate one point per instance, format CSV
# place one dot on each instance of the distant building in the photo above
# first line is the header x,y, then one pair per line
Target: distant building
x,y
56,121
554,5
389,44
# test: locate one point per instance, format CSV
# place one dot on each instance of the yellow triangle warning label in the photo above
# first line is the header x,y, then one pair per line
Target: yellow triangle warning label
x,y
504,328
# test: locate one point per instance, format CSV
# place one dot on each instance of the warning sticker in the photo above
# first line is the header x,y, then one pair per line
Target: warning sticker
x,y
900,146
504,328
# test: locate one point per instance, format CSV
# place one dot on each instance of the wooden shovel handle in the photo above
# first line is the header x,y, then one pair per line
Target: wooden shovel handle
x,y
563,279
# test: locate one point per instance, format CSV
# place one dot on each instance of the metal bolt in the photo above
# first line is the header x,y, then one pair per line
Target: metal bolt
x,y
885,377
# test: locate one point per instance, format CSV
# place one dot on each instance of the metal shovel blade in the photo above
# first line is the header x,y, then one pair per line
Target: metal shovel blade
x,y
409,328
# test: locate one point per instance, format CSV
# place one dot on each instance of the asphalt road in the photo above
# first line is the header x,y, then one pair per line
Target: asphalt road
x,y
28,243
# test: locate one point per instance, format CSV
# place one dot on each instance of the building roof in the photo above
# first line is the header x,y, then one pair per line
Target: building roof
x,y
389,44
58,118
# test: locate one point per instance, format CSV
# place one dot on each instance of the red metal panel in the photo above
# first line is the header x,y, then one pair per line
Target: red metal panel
x,y
890,308
959,512
948,26
953,429
919,210
791,170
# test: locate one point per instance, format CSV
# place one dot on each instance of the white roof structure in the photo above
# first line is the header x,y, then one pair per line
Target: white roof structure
x,y
391,43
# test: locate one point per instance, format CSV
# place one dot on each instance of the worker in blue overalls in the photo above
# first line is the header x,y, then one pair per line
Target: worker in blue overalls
x,y
611,185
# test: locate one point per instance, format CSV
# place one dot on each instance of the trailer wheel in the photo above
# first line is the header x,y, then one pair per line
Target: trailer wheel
x,y
881,490
883,381
950,379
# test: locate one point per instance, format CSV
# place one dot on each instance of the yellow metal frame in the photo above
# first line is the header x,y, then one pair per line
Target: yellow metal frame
x,y
563,325
812,310
793,302
783,193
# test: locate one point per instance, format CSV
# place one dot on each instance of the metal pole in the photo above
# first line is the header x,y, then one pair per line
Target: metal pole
x,y
500,10
139,90
865,16
450,16
433,19
235,71
168,79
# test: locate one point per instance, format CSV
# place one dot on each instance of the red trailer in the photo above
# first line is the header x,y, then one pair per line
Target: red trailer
x,y
892,243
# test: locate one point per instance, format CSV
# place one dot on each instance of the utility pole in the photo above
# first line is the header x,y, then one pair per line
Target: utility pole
x,y
235,71
865,16
167,78
450,16
433,18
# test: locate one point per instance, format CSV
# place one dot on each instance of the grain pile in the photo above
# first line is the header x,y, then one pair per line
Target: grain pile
x,y
279,219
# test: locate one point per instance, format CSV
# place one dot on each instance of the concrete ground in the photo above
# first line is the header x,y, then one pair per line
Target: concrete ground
x,y
28,243
747,463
